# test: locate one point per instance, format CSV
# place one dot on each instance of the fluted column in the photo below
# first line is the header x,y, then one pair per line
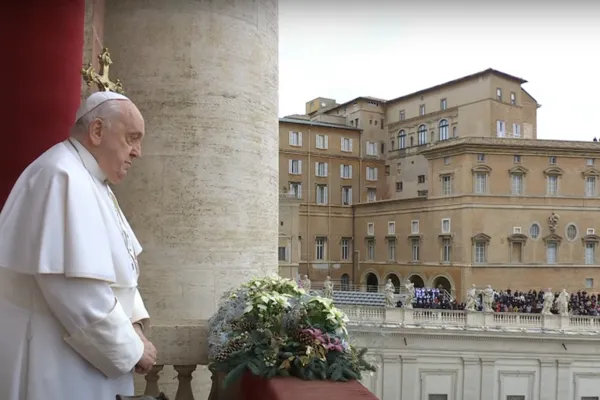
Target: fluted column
x,y
203,199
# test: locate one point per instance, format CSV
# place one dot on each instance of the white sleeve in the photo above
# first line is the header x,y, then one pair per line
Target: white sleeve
x,y
139,313
98,328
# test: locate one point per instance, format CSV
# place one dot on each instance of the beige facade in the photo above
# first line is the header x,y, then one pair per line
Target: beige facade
x,y
465,196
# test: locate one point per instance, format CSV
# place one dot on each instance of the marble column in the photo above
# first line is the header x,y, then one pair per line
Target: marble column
x,y
471,378
392,376
203,199
488,372
548,370
564,379
41,44
410,380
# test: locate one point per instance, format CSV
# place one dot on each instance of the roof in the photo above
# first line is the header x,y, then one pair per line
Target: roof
x,y
317,123
368,98
460,80
510,144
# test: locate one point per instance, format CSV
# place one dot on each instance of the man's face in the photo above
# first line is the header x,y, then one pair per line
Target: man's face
x,y
118,141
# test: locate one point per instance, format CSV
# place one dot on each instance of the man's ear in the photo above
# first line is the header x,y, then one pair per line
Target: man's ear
x,y
95,131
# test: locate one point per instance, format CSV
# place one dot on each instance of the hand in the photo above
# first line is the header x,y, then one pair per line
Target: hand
x,y
148,359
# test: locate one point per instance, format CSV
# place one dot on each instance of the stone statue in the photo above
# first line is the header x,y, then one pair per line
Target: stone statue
x,y
410,295
328,288
306,283
548,300
562,302
471,299
553,222
488,299
390,289
161,396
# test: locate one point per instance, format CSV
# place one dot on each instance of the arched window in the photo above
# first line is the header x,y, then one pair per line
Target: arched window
x,y
372,283
345,282
401,140
444,134
422,131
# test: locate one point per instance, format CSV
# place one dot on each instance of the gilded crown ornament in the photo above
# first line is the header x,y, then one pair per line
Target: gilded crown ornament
x,y
102,79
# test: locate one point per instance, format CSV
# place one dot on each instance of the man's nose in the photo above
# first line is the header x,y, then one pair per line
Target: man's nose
x,y
136,152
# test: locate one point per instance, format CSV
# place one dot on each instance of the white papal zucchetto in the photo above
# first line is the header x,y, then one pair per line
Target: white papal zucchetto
x,y
95,100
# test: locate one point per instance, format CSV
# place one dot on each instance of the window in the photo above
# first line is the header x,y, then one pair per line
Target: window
x,y
552,160
401,140
443,104
551,252
370,229
513,397
415,250
391,228
589,283
345,248
516,130
421,178
571,232
500,128
513,98
589,162
481,182
321,194
516,184
322,142
356,121
498,94
446,250
422,131
552,185
345,171
414,227
387,170
446,160
295,138
422,109
371,194
437,397
295,190
480,252
295,167
402,115
321,169
391,249
516,252
446,185
590,186
370,249
371,174
590,253
371,122
371,148
282,252
444,133
399,186
346,144
480,157
446,225
517,159
454,132
381,125
320,244
534,231
346,195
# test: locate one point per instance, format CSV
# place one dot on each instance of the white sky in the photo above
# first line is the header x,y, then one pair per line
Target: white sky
x,y
343,49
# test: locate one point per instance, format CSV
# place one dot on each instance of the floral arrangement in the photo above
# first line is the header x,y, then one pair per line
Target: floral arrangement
x,y
271,327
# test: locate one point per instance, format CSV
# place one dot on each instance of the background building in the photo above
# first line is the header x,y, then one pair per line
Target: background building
x,y
454,189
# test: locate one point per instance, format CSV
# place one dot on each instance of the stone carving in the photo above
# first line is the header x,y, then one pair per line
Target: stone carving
x,y
488,299
390,289
548,300
553,222
161,396
471,299
328,288
306,283
410,287
562,302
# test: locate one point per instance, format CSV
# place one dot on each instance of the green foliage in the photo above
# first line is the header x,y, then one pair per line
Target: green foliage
x,y
270,327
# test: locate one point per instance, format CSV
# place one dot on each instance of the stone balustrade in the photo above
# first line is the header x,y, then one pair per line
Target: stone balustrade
x,y
451,319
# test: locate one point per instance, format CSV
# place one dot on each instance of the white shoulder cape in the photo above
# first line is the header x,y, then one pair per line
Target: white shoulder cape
x,y
55,222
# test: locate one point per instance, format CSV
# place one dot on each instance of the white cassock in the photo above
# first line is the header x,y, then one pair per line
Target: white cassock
x,y
68,284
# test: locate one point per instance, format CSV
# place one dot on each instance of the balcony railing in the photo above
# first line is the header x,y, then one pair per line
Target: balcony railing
x,y
400,317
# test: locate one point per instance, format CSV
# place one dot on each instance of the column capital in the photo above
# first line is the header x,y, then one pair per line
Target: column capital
x,y
470,361
488,362
408,359
547,362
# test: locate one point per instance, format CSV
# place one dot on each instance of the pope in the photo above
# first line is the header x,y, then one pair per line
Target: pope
x,y
72,319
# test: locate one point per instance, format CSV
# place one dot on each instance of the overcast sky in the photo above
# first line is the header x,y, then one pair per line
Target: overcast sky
x,y
383,48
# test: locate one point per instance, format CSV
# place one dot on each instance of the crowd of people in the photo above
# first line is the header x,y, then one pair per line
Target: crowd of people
x,y
532,301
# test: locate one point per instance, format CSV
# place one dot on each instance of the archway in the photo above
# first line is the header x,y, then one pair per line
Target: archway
x,y
345,282
395,281
372,282
417,281
441,282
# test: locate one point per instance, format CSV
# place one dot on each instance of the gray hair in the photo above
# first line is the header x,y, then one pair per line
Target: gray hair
x,y
107,112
